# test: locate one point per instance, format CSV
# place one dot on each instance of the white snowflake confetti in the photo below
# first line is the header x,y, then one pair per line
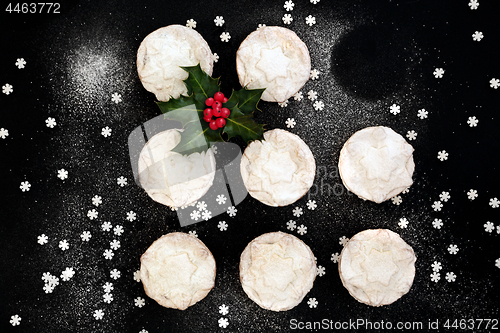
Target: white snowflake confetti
x,y
494,203
222,225
86,236
215,57
287,18
310,20
221,199
311,204
42,239
4,133
442,155
444,196
137,276
472,121
283,104
108,254
195,215
92,214
191,23
108,298
96,200
206,215
473,4
394,109
62,174
201,205
297,212
225,37
106,226
15,320
115,244
139,302
302,230
422,114
403,223
472,194
314,74
223,322
223,309
291,225
118,230
131,216
116,97
343,240
411,135
193,233
497,262
312,95
219,21
289,5
312,302
20,63
494,83
67,274
48,288
98,314
64,245
453,249
437,205
477,36
438,73
290,123
335,257
319,105
7,89
489,227
106,131
115,274
320,271
435,277
437,223
314,2
50,122
436,266
214,149
450,277
122,181
232,211
108,287
397,200
25,186
298,96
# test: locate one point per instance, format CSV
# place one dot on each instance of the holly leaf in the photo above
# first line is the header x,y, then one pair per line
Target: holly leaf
x,y
183,109
199,84
196,137
245,100
240,124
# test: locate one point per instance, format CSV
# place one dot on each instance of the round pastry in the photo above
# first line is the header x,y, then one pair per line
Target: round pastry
x,y
376,164
277,270
161,54
171,178
177,270
278,170
276,59
377,267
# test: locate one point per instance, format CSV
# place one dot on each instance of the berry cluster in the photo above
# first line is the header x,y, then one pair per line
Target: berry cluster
x,y
216,110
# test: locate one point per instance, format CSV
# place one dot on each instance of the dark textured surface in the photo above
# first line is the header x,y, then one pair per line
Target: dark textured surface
x,y
370,54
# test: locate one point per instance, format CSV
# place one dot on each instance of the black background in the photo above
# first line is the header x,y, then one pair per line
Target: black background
x,y
371,54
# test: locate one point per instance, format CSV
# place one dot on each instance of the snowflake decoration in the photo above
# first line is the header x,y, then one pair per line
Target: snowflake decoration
x,y
225,37
289,5
291,225
219,21
319,105
62,174
314,74
435,277
223,309
50,122
67,274
302,230
191,23
494,83
193,233
394,109
438,73
437,223
335,257
86,236
221,199
108,254
92,214
312,95
489,227
411,135
223,322
297,212
311,204
494,203
450,277
137,276
139,302
42,239
343,240
195,215
397,200
472,194
473,4
472,121
115,244
283,104
222,225
403,223
287,18
437,205
290,123
4,133
15,320
497,262
201,206
7,89
98,314
131,216
106,226
64,245
108,287
143,331
310,20
453,249
48,288
116,97
118,230
444,196
298,96
25,186
106,131
215,57
436,266
122,181
320,271
108,298
96,200
314,2
231,211
20,63
261,25
312,302
477,36
442,155
422,114
115,274
206,215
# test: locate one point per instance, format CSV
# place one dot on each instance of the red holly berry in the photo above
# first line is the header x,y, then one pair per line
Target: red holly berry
x,y
207,119
224,100
207,113
213,125
219,96
217,112
224,112
209,101
217,104
220,122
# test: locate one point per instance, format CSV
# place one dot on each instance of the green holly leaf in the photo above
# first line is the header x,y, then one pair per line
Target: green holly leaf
x,y
245,100
196,137
183,109
199,84
240,124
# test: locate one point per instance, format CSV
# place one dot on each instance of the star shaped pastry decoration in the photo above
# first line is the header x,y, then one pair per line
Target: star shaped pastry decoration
x,y
280,167
273,63
379,266
278,272
378,164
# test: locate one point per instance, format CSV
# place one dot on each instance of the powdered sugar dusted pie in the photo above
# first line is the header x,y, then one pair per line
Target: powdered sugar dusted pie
x,y
376,164
177,270
163,51
277,270
278,170
171,178
276,59
377,267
